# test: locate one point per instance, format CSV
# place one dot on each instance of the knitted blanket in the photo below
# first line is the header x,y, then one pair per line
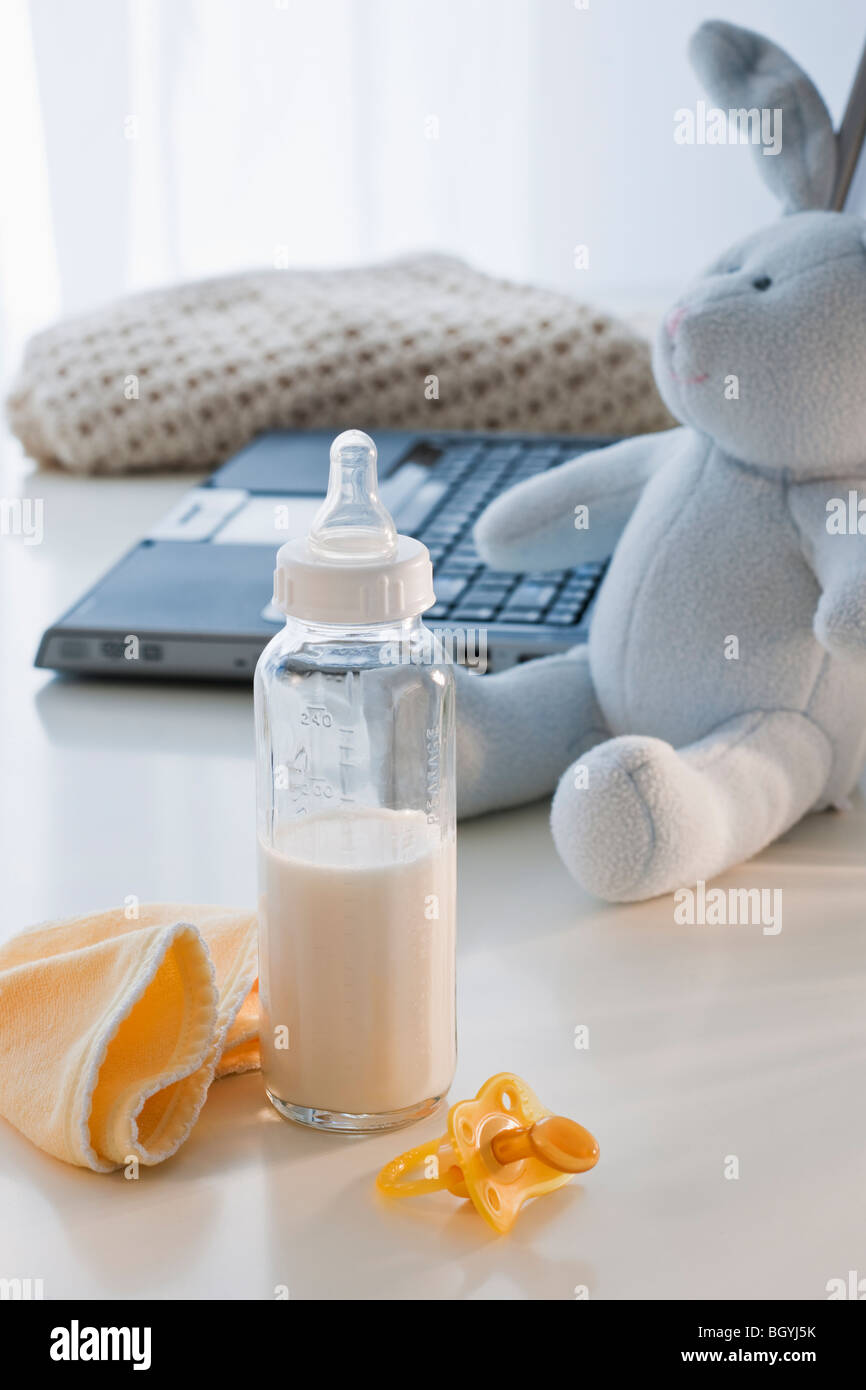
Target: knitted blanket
x,y
183,377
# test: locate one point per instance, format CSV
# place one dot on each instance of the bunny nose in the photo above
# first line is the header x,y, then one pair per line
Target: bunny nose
x,y
673,321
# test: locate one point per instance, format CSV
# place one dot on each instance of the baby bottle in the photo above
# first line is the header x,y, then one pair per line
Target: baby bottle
x,y
356,821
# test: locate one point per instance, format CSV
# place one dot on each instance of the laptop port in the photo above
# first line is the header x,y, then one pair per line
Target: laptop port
x,y
72,647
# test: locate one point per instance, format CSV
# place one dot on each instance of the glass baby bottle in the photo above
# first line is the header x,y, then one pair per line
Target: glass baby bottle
x,y
356,821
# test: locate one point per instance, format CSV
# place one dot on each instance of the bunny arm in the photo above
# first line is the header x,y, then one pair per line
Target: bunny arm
x,y
534,526
838,560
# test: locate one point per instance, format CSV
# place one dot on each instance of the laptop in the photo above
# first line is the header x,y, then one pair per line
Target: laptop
x,y
193,598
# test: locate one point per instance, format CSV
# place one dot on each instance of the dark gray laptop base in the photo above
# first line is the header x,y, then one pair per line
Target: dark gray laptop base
x,y
192,600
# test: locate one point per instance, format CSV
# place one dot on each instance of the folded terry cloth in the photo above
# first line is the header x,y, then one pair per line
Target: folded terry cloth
x,y
111,1030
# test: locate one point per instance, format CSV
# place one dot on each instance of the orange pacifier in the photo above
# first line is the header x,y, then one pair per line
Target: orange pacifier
x,y
501,1149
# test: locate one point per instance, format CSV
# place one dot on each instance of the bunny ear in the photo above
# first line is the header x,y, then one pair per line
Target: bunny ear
x,y
741,69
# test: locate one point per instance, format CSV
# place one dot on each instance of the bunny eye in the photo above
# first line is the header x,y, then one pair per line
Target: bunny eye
x,y
763,282
732,269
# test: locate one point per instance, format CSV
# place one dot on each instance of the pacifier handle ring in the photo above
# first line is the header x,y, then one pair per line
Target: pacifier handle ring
x,y
389,1182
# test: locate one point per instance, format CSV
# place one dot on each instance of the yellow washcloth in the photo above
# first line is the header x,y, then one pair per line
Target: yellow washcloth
x,y
112,1029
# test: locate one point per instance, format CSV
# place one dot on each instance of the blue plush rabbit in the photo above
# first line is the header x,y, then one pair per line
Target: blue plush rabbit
x,y
722,694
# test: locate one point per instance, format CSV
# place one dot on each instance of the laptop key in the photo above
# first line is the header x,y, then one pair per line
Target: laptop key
x,y
462,564
528,595
448,588
419,506
493,588
486,598
521,615
439,536
564,604
473,613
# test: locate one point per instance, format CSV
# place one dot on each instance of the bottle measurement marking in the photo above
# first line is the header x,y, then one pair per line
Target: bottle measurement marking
x,y
317,715
346,764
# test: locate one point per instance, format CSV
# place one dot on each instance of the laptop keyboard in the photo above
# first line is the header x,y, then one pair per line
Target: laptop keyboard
x,y
436,494
443,513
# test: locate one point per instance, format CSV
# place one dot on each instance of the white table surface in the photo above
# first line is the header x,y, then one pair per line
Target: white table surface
x,y
704,1042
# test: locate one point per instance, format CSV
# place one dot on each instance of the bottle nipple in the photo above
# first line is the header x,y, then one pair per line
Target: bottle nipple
x,y
352,525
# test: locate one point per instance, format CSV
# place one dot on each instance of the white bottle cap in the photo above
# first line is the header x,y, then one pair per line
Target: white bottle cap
x,y
353,567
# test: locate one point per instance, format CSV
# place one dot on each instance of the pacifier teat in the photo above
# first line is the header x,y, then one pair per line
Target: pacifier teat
x,y
501,1149
352,524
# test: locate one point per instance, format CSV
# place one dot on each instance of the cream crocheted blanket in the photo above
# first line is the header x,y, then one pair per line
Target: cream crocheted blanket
x,y
184,377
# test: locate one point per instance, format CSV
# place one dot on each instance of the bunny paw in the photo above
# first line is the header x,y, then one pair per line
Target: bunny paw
x,y
630,820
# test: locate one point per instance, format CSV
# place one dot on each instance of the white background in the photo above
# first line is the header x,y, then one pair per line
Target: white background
x,y
300,125
305,128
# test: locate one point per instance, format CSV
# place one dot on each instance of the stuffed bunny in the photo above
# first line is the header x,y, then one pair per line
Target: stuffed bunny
x,y
722,693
